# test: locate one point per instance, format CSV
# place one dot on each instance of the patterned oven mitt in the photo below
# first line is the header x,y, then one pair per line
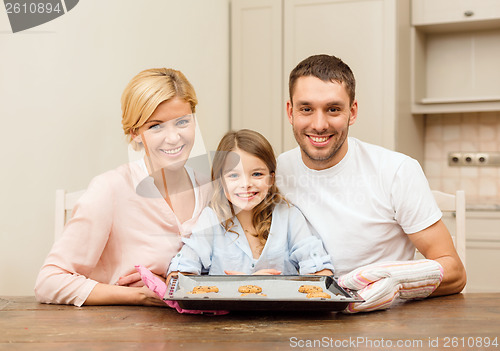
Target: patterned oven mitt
x,y
380,284
159,287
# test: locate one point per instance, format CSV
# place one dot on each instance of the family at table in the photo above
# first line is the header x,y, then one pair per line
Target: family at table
x,y
334,205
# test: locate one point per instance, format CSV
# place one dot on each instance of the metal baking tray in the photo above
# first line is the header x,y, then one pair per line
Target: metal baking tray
x,y
281,293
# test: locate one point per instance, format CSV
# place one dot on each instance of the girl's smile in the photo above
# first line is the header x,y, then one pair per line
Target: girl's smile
x,y
247,183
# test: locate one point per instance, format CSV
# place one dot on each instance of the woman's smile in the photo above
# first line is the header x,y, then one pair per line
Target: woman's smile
x,y
173,152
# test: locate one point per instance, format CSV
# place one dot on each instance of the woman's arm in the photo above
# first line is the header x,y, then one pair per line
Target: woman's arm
x,y
63,279
105,294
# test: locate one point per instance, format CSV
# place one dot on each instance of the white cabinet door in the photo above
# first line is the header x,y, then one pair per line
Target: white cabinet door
x,y
362,33
483,251
425,12
256,66
455,56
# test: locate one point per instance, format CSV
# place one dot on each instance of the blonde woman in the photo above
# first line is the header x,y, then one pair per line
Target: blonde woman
x,y
137,213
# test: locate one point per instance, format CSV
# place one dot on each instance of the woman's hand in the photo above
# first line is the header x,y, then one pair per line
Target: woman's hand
x,y
268,271
134,280
149,298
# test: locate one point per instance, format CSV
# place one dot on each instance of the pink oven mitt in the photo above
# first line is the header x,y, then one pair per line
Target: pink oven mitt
x,y
159,287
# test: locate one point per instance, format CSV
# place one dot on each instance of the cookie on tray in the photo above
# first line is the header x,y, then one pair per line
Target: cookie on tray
x,y
253,294
310,288
203,289
319,294
253,289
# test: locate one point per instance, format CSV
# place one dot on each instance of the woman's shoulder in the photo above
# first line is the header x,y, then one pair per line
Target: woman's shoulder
x,y
114,181
111,177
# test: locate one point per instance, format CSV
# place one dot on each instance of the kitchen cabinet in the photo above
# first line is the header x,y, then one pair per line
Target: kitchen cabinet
x,y
438,12
269,37
483,251
455,55
256,68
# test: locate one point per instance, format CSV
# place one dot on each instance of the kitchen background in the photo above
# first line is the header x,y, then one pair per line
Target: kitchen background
x,y
427,84
466,132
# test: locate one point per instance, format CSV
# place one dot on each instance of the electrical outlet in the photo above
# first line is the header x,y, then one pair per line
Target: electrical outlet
x,y
474,159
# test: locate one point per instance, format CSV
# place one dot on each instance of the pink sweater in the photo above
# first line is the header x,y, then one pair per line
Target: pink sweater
x,y
112,229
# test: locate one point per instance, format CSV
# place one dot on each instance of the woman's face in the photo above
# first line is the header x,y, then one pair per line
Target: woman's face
x,y
168,135
247,182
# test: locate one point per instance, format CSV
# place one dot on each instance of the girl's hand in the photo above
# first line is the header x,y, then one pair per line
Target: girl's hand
x,y
234,273
324,272
268,271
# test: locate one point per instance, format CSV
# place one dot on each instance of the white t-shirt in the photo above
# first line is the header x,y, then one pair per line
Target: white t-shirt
x,y
363,206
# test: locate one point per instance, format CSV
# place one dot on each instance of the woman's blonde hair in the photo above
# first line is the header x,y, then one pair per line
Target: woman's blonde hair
x,y
146,91
258,146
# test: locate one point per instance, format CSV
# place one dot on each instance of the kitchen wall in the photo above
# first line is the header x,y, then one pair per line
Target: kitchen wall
x,y
60,88
465,132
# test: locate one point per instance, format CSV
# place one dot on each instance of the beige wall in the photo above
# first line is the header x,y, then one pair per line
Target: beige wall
x,y
465,132
60,87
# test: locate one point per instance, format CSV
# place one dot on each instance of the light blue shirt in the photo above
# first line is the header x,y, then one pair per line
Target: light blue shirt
x,y
290,248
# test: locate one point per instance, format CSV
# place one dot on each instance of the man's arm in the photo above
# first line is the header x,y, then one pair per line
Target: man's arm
x,y
435,243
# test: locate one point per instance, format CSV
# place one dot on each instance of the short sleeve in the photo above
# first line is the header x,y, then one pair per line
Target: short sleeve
x,y
414,205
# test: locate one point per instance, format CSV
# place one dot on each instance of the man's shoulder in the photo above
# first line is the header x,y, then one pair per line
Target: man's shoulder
x,y
290,154
288,158
373,151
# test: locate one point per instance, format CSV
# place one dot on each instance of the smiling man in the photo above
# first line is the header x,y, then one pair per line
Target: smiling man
x,y
371,206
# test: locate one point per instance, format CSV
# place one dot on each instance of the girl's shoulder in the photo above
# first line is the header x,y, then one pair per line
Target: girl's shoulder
x,y
208,216
286,208
208,212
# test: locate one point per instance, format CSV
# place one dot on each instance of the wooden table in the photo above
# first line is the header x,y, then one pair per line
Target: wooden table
x,y
462,322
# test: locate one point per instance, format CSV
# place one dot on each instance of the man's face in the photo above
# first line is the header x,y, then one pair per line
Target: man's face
x,y
320,115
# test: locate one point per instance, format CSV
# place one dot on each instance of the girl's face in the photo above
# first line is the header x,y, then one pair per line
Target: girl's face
x,y
247,183
168,135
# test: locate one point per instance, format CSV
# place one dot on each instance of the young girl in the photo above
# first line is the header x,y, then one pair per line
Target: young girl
x,y
249,228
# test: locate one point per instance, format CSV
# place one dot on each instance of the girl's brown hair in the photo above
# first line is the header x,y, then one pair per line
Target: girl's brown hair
x,y
257,145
